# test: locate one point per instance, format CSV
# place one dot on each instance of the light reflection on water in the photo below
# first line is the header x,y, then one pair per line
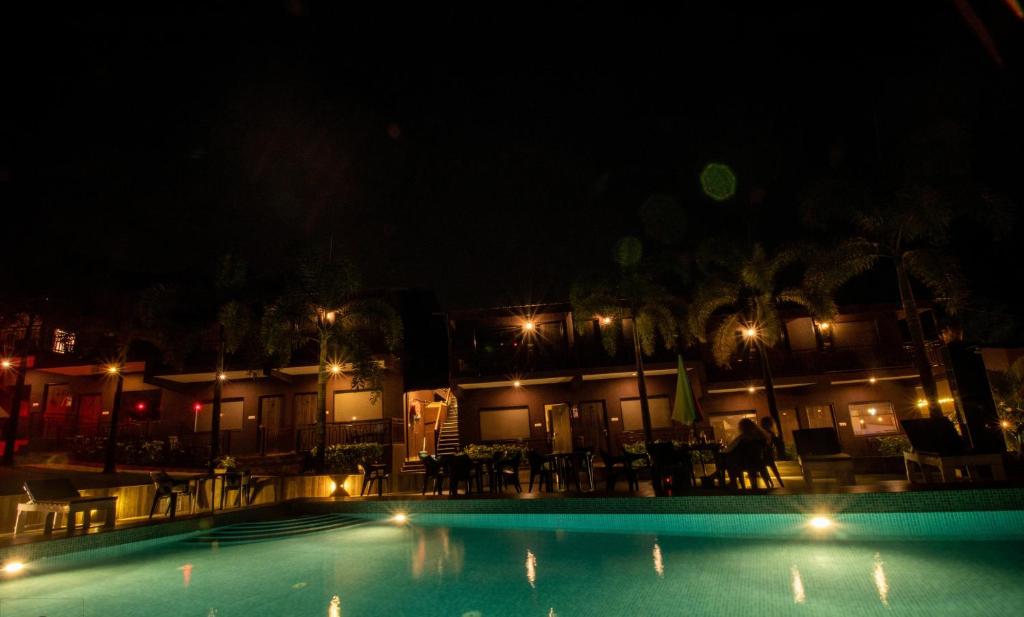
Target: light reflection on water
x,y
881,583
445,572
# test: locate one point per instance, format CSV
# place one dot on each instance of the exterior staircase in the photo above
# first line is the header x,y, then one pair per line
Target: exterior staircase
x,y
448,436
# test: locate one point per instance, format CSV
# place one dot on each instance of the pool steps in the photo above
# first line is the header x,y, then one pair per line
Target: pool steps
x,y
270,530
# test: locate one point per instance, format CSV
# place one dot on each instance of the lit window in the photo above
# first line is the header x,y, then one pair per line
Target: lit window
x,y
873,418
63,341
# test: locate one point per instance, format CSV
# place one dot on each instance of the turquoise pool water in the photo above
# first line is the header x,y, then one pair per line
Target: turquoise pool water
x,y
458,566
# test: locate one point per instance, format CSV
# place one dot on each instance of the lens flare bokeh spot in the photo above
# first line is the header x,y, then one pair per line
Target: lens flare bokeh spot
x,y
718,181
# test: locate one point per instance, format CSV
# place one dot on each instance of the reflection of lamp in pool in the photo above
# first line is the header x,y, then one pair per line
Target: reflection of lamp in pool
x,y
820,522
659,564
872,411
13,567
334,608
399,518
531,568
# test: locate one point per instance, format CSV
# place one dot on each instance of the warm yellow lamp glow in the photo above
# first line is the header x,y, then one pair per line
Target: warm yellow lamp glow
x,y
1005,424
516,384
606,320
335,369
222,376
824,326
872,411
750,332
873,380
399,518
113,369
529,326
820,522
751,389
13,567
5,363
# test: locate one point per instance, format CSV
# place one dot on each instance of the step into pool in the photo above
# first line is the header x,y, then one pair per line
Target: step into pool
x,y
557,565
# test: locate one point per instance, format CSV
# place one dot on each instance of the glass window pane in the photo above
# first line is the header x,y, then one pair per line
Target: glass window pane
x,y
357,405
873,418
818,416
501,424
726,425
230,416
661,413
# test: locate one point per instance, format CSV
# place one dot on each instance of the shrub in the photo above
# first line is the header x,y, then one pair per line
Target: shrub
x,y
481,450
345,458
894,445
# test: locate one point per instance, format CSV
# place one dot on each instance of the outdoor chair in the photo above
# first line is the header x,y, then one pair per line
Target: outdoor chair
x,y
373,473
432,470
748,457
540,469
668,468
818,451
59,496
584,458
460,470
237,481
506,472
936,443
167,487
613,465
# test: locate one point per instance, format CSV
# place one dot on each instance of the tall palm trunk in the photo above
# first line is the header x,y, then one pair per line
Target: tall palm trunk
x,y
110,465
773,405
641,384
924,367
321,406
218,395
16,396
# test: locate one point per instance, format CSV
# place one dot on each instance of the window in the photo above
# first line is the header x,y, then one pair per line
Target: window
x,y
63,341
504,424
726,426
801,334
661,413
875,418
305,409
818,416
854,334
354,405
230,416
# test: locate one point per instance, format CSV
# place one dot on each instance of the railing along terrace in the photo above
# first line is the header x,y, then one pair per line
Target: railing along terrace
x,y
384,431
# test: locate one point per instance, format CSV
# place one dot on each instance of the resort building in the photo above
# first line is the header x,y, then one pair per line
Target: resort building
x,y
528,374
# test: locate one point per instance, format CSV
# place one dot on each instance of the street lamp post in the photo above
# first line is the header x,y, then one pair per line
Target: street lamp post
x,y
752,335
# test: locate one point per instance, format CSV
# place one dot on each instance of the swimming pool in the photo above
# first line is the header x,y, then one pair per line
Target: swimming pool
x,y
564,565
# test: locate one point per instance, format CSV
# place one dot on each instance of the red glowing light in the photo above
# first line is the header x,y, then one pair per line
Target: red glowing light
x,y
198,407
140,406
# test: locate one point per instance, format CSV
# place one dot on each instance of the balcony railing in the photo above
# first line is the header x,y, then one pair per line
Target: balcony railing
x,y
385,432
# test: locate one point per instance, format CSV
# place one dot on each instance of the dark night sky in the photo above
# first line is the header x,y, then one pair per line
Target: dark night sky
x,y
485,156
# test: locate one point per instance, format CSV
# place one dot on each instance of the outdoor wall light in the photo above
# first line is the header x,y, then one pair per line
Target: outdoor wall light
x,y
824,326
222,376
113,369
606,320
516,384
335,369
749,332
529,326
751,389
873,380
5,363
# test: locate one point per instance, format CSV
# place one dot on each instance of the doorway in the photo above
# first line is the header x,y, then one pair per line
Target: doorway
x,y
789,423
268,423
820,415
592,426
89,411
559,427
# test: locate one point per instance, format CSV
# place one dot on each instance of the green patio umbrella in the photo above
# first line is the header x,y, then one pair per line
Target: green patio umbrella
x,y
685,409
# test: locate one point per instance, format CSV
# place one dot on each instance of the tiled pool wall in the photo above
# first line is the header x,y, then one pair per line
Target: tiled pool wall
x,y
995,514
995,499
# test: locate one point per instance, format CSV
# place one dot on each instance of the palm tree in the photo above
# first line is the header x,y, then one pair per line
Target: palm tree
x,y
903,213
1008,391
739,301
327,308
630,292
22,349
